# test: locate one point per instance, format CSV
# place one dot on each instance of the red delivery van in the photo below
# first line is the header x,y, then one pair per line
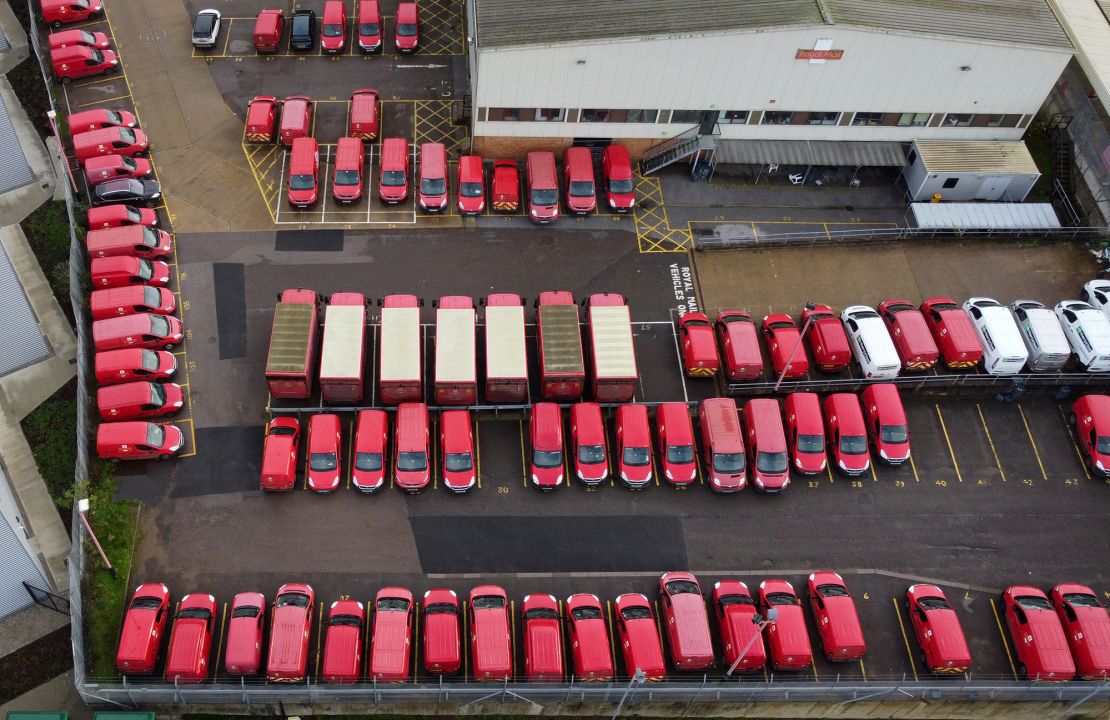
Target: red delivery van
x,y
99,118
369,26
686,621
456,447
324,456
78,61
910,333
1090,416
546,433
400,360
412,448
739,342
138,440
766,443
805,432
123,270
787,638
408,27
346,182
342,353
365,112
191,639
634,463
296,118
543,638
135,240
505,186
562,364
639,637
1036,634
886,423
588,443
614,375
834,611
1087,626
616,174
60,12
699,348
543,188
261,119
304,172
144,624
128,142
121,366
471,185
343,642
279,454
442,643
144,330
433,177
109,216
953,332
393,182
137,400
578,169
827,339
287,659
676,443
589,638
333,30
371,440
937,627
291,361
506,352
268,28
735,609
491,652
846,434
785,343
244,634
722,444
111,167
456,380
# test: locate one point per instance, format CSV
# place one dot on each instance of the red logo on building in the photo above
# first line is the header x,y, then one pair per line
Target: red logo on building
x,y
807,54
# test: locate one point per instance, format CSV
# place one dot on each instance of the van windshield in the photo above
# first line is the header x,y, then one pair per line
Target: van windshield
x,y
547,458
585,613
113,117
489,602
292,599
728,462
134,215
412,461
781,598
322,461
736,600
853,445
145,602
771,462
346,177
349,620
581,188
894,434
470,189
811,443
1030,602
636,613
195,613
150,238
157,394
637,456
303,181
126,135
682,587
544,197
393,178
369,29
247,611
1082,600
541,614
146,270
97,57
680,454
159,325
333,30
433,186
148,360
155,435
151,297
1103,445
457,462
406,29
128,164
591,454
832,591
393,604
368,462
441,609
933,602
620,187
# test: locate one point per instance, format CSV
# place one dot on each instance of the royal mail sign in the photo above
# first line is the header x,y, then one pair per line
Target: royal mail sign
x,y
812,54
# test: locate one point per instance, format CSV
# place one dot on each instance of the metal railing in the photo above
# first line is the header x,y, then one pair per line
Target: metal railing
x,y
708,241
924,383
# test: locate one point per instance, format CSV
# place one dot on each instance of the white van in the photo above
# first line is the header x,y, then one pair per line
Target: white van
x,y
1097,293
871,343
1004,352
1088,331
1043,336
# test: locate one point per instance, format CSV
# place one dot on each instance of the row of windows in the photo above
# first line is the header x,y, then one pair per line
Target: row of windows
x,y
752,117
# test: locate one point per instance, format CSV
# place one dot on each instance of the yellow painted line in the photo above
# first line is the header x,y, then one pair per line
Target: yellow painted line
x,y
105,79
1005,642
828,469
905,638
1032,442
416,647
948,442
106,100
435,467
562,639
466,644
523,457
612,639
659,624
478,452
220,644
816,677
512,638
366,640
990,442
227,38
319,636
351,454
863,670
654,469
913,466
1074,443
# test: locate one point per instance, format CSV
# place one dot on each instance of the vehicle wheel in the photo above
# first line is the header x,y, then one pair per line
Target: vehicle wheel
x,y
169,346
114,461
161,458
56,24
111,70
65,81
94,16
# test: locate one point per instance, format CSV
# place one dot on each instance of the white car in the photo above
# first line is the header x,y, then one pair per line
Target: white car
x,y
206,27
1004,352
1088,331
1097,294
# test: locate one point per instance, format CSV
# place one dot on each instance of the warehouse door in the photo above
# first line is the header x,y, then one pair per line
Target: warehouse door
x,y
993,188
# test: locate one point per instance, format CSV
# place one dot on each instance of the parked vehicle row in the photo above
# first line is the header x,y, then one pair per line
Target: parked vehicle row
x,y
368,29
64,12
752,629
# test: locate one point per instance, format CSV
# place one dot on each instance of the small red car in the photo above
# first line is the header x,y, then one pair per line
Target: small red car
x,y
676,443
834,611
103,168
78,61
114,302
846,434
88,120
638,636
735,609
143,330
325,440
739,342
953,333
687,623
143,627
191,639
543,638
291,625
886,423
617,177
699,348
442,649
412,467
1087,626
371,442
279,454
111,216
588,443
546,433
296,119
505,186
910,334
765,442
268,29
66,38
456,444
589,638
805,432
471,185
1090,415
722,445
333,28
135,400
121,271
826,339
121,366
369,26
343,642
634,445
61,12
244,634
262,114
784,342
787,638
110,141
138,440
1036,634
391,641
937,628
491,650
407,35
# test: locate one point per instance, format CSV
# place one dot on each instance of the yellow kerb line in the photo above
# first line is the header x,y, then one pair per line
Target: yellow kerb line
x,y
1032,442
1005,642
905,638
990,442
948,442
1074,443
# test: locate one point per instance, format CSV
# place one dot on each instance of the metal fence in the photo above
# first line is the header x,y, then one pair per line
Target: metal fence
x,y
950,382
76,558
708,241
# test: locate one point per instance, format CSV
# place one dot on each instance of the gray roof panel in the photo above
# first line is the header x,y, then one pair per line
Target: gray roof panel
x,y
21,339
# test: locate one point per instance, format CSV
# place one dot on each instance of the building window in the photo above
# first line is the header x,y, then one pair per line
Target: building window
x,y
867,118
995,120
912,157
735,117
913,119
950,183
778,117
642,116
550,114
688,117
823,118
590,115
505,114
958,119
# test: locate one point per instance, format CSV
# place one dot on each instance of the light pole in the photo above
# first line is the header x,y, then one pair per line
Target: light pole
x,y
761,622
637,679
53,118
794,350
82,508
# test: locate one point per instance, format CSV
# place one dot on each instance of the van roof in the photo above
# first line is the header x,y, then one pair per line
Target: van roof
x,y
847,409
347,150
614,353
506,352
400,343
676,415
721,421
561,338
435,155
470,166
764,413
633,417
877,339
1002,327
412,425
455,345
1046,327
344,334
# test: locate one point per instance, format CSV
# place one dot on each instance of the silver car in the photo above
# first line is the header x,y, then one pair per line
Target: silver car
x,y
206,27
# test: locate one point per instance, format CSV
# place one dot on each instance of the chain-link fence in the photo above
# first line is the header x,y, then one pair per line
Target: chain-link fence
x,y
711,241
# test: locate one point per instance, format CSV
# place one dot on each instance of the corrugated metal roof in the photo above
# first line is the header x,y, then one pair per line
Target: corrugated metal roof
x,y
506,356
15,171
562,339
400,344
514,23
614,355
4,44
341,355
455,345
1087,23
971,156
811,152
984,216
289,337
21,339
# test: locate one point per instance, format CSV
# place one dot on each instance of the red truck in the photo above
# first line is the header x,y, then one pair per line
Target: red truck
x,y
562,365
400,360
343,348
290,364
456,380
613,376
506,355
